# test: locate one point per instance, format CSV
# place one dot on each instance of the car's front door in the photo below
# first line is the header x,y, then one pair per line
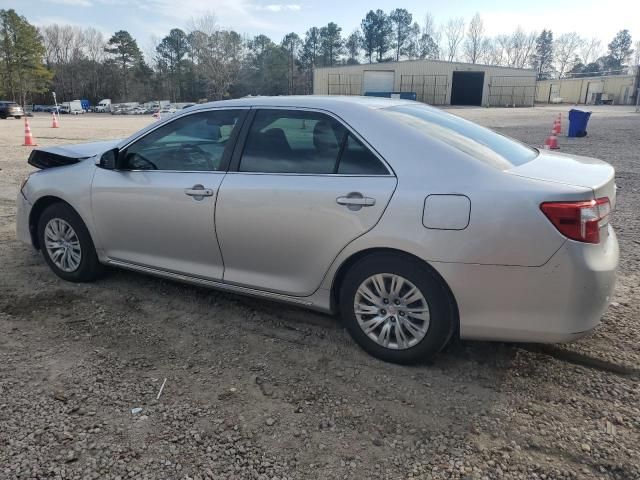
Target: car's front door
x,y
304,186
156,209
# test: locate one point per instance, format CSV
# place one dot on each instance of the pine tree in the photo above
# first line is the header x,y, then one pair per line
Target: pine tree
x,y
171,51
331,44
291,44
23,71
126,52
376,32
543,56
619,50
353,46
400,20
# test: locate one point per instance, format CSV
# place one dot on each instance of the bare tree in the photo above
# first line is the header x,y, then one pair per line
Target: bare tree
x,y
94,44
527,49
491,52
565,48
206,23
454,35
432,31
636,56
475,42
590,50
503,48
216,53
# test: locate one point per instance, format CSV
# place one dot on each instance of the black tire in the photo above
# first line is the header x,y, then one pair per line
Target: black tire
x,y
442,310
89,268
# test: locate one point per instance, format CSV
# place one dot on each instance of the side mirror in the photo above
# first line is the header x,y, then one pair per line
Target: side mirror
x,y
108,159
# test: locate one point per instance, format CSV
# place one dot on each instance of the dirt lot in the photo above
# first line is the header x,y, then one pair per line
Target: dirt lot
x,y
258,390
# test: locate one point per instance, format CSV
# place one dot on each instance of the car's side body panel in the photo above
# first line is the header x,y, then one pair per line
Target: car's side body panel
x,y
282,232
70,183
145,217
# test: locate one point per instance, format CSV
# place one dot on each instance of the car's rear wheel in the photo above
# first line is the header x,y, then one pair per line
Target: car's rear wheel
x,y
396,309
66,244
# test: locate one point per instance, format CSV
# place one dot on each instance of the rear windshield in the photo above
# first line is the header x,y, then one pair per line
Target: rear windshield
x,y
479,142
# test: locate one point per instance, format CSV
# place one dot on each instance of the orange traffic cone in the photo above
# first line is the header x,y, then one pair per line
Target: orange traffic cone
x,y
556,127
559,123
54,123
28,138
551,143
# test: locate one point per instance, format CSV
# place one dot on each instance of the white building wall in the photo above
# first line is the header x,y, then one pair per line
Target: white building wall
x,y
502,86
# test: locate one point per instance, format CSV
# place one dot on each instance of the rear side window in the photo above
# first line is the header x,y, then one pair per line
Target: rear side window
x,y
292,141
479,142
356,159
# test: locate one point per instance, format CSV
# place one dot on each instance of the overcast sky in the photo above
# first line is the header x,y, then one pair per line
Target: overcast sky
x,y
144,18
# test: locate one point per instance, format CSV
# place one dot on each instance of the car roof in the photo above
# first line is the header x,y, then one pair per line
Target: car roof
x,y
328,102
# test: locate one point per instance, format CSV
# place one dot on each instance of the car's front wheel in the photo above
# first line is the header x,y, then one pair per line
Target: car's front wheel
x,y
396,309
66,244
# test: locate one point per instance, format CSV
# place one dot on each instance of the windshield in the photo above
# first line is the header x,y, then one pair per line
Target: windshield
x,y
481,143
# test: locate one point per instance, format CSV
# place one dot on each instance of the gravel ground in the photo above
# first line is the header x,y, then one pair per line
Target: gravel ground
x,y
257,390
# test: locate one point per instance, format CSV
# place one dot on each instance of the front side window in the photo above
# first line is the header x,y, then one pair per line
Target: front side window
x,y
290,141
191,143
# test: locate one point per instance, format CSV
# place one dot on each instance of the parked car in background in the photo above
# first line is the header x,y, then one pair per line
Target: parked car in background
x,y
10,109
414,224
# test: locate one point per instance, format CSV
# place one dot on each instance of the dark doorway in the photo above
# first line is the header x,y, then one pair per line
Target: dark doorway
x,y
466,88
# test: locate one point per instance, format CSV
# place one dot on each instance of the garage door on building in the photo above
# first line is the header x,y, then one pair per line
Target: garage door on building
x,y
378,81
466,88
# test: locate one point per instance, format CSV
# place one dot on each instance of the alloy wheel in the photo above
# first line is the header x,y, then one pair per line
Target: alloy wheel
x,y
391,311
62,244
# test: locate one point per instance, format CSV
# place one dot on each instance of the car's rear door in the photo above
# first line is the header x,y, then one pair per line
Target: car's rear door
x,y
300,189
157,208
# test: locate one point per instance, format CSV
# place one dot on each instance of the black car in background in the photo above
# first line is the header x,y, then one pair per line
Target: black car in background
x,y
10,109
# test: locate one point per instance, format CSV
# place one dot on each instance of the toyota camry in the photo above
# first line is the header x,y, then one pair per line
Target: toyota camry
x,y
411,223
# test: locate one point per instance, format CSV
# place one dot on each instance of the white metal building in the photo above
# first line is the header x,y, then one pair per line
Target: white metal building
x,y
433,81
615,89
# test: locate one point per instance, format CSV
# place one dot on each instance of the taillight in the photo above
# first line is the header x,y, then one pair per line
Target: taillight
x,y
579,221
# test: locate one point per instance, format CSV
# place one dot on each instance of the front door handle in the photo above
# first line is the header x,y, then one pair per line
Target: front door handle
x,y
362,202
198,192
355,201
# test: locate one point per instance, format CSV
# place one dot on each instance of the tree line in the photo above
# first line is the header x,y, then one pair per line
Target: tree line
x,y
204,61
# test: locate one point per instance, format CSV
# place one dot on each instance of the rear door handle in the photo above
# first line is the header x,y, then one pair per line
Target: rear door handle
x,y
198,191
356,201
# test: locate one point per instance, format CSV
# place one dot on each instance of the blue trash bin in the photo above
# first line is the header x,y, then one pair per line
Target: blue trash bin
x,y
578,123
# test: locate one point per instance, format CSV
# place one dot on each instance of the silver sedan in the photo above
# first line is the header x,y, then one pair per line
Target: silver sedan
x,y
413,224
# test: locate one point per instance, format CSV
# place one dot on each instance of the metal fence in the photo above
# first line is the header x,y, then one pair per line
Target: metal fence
x,y
344,84
511,91
431,89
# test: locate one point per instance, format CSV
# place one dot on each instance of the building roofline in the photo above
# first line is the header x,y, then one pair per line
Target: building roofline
x,y
593,77
426,60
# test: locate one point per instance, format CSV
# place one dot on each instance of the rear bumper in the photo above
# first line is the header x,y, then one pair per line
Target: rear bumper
x,y
557,302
